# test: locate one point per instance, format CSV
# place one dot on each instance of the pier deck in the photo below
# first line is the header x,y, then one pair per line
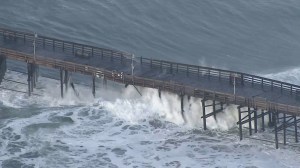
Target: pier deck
x,y
203,82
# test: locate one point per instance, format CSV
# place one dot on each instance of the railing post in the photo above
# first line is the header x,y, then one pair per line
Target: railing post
x,y
73,52
242,79
82,50
272,85
15,37
187,70
111,55
121,58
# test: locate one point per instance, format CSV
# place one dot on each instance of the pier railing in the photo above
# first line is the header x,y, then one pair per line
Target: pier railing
x,y
257,102
200,71
190,70
173,67
76,49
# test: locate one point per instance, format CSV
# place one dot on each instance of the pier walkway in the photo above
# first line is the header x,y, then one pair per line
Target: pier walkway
x,y
258,95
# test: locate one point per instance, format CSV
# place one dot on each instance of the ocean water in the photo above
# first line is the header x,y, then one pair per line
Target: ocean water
x,y
120,128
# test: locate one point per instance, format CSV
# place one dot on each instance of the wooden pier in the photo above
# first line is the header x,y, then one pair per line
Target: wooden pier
x,y
257,97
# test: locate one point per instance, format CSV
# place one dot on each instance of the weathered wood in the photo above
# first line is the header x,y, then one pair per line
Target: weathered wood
x,y
192,71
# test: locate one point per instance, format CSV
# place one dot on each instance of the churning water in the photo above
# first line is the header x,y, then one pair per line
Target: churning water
x,y
119,128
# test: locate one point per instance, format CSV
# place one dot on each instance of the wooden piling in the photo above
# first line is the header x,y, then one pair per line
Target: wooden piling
x,y
204,117
275,129
94,86
263,120
295,125
29,78
249,117
61,83
240,123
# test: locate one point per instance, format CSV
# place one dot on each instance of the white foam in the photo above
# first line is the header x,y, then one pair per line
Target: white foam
x,y
96,131
124,103
291,75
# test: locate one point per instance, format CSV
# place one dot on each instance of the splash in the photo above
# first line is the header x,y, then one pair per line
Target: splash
x,y
290,75
125,103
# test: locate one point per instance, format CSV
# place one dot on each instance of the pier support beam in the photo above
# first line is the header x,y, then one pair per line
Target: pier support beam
x,y
61,83
182,106
295,125
270,124
3,67
249,116
255,120
240,123
32,77
29,78
66,80
262,120
159,92
284,122
105,82
275,129
204,118
214,112
214,109
94,86
284,129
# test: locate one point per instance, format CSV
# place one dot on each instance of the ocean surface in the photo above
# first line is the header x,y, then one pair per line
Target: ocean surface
x,y
119,128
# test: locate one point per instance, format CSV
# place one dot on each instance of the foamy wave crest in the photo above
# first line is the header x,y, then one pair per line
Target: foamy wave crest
x,y
290,75
125,103
134,108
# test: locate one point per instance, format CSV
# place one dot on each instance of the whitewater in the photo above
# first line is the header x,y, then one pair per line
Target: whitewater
x,y
120,128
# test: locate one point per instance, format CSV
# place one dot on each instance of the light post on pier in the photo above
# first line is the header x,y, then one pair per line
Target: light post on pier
x,y
34,39
132,66
234,82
